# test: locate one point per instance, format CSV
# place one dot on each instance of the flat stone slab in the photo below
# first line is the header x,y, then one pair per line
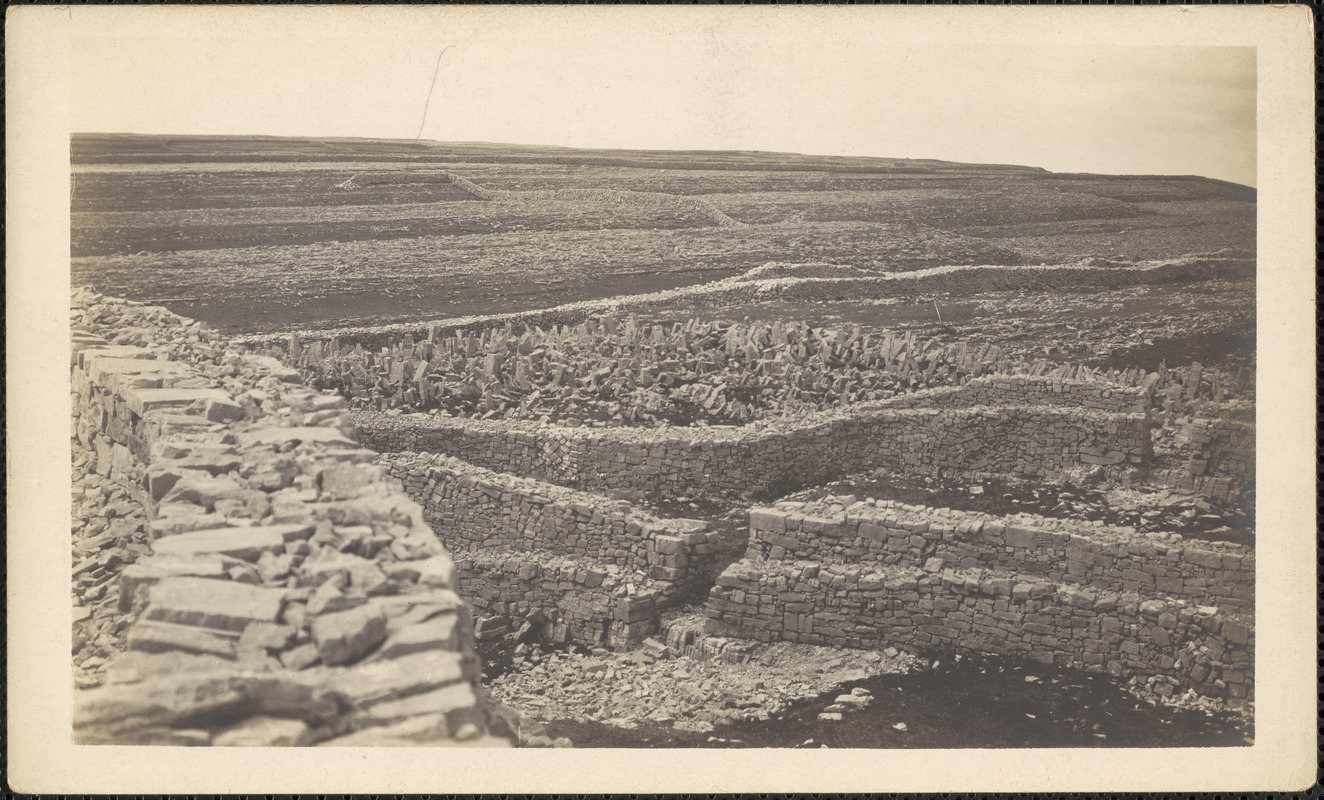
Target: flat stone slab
x,y
224,605
165,637
140,401
248,543
381,681
264,731
279,436
161,701
441,632
147,571
452,701
87,356
101,369
346,635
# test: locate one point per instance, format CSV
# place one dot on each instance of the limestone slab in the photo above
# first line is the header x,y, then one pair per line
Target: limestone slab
x,y
246,543
147,571
381,681
224,605
264,731
344,636
164,637
281,436
101,369
140,401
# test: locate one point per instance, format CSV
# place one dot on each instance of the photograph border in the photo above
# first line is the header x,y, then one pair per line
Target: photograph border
x,y
41,758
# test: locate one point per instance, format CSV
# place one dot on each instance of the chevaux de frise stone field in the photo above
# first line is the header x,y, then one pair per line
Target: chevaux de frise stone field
x,y
391,443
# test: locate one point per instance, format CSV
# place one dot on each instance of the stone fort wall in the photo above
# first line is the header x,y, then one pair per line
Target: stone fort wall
x,y
586,567
291,594
1169,614
1014,425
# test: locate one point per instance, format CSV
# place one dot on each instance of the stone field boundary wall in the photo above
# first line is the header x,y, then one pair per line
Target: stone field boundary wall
x,y
292,595
658,199
1169,615
1014,390
772,455
584,565
1103,559
962,280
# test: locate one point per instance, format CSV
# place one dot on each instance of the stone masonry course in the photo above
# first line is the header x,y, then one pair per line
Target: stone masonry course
x,y
1164,613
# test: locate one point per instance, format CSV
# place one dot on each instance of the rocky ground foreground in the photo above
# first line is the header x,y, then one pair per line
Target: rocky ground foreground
x,y
791,695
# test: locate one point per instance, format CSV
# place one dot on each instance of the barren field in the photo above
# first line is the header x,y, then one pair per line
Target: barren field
x,y
1027,398
264,235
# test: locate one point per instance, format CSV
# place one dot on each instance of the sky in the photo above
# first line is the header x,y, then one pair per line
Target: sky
x,y
1067,108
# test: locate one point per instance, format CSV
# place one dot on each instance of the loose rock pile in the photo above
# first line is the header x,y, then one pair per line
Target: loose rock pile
x,y
624,372
657,685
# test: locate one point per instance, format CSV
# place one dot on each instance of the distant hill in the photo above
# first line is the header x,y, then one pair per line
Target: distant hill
x,y
127,148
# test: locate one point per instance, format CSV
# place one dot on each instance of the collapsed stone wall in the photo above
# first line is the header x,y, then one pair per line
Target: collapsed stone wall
x,y
292,595
774,455
1168,614
1220,460
586,566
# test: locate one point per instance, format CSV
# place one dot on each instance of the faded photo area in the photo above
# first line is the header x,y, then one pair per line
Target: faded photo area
x,y
512,387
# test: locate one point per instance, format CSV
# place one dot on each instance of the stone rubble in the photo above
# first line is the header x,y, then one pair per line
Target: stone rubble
x,y
688,693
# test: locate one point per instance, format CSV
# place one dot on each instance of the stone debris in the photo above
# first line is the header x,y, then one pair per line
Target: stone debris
x,y
616,371
689,692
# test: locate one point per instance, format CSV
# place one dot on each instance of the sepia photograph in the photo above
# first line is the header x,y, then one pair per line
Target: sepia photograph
x,y
501,379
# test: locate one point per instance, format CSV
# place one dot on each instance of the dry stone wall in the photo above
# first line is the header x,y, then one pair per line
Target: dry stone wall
x,y
1030,390
1167,614
582,565
963,280
293,595
938,434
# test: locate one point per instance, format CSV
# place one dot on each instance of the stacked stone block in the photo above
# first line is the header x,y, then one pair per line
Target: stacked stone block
x,y
573,559
1168,614
930,432
293,596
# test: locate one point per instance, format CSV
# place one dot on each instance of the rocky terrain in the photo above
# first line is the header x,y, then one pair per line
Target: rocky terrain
x,y
254,234
525,305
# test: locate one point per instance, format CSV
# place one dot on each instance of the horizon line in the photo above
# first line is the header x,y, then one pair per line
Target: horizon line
x,y
575,148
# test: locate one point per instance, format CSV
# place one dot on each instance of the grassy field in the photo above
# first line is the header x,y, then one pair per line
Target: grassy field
x,y
254,234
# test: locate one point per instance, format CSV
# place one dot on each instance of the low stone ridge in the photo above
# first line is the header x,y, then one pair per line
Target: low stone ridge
x,y
292,594
581,564
931,432
961,280
1166,614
